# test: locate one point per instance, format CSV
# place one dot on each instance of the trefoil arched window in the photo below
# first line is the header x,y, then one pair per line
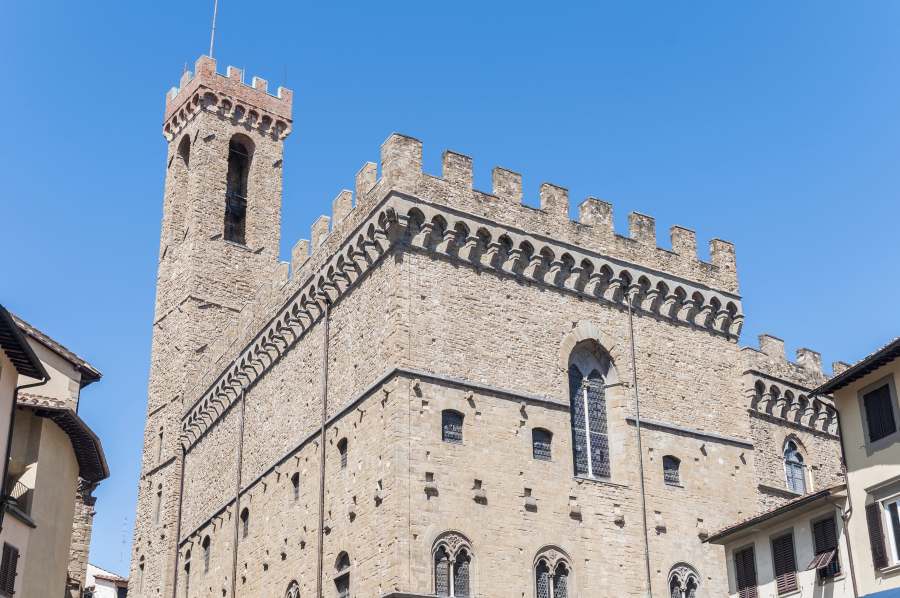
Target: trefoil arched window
x,y
453,566
684,582
342,575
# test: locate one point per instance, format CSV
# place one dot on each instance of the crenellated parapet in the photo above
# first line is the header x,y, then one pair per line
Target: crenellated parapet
x,y
408,210
780,388
228,96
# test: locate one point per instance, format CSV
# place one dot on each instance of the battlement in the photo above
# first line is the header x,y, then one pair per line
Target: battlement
x,y
770,358
401,170
204,88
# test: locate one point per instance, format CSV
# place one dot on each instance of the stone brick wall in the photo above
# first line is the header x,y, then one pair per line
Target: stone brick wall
x,y
444,297
80,545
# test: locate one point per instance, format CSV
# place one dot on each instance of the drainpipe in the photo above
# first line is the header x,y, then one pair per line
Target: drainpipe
x,y
12,419
321,546
237,497
178,523
845,514
637,419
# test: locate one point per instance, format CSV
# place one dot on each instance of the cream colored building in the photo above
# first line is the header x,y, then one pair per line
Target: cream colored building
x,y
798,549
104,584
55,461
867,401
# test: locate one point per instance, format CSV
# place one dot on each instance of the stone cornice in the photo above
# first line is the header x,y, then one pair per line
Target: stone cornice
x,y
409,223
771,400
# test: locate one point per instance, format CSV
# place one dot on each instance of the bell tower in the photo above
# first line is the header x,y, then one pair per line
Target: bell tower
x,y
219,243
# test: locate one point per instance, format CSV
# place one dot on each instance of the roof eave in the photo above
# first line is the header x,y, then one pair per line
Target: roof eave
x,y
874,361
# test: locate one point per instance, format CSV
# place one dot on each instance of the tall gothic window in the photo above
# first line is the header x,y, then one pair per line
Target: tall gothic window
x,y
551,575
206,545
239,155
795,472
342,575
590,441
683,581
451,426
452,567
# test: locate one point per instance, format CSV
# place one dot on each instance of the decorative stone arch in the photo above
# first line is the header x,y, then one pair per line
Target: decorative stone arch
x,y
557,564
586,330
451,550
293,590
683,581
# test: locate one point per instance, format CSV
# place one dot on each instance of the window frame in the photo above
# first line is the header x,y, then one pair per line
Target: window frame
x,y
801,461
448,438
837,547
872,446
891,538
789,532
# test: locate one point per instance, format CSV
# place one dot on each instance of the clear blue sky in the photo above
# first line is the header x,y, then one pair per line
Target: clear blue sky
x,y
775,125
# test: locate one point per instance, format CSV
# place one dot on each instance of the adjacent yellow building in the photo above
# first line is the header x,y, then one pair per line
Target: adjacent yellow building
x,y
867,402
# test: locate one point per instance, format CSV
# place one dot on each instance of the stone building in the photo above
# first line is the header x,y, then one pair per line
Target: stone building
x,y
437,396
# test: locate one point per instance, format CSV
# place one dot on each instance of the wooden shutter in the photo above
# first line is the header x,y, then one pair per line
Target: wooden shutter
x,y
825,541
879,413
784,563
745,572
876,536
8,565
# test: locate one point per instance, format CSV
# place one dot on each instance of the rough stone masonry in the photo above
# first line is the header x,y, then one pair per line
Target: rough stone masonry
x,y
435,396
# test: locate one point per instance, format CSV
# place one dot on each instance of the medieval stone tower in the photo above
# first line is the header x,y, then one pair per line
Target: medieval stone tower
x,y
220,239
437,396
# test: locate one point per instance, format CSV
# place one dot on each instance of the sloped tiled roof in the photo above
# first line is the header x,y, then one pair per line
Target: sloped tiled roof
x,y
17,348
873,361
88,372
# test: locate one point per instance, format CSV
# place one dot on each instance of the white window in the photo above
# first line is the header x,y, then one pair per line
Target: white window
x,y
892,526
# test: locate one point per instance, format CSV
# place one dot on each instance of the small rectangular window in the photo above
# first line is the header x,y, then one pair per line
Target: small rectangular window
x,y
784,563
879,408
452,426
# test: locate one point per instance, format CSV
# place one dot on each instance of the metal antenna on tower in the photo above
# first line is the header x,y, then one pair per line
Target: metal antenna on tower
x,y
212,36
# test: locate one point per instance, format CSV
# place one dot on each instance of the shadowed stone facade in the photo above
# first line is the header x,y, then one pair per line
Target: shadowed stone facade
x,y
422,301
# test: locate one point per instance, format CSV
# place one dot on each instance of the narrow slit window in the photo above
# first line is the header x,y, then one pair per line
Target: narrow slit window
x,y
245,522
295,486
239,155
342,452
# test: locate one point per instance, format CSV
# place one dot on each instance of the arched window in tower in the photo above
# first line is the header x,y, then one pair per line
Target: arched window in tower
x,y
588,367
295,486
551,574
206,545
342,575
184,151
240,152
541,444
794,469
160,439
671,474
451,426
452,566
342,452
245,522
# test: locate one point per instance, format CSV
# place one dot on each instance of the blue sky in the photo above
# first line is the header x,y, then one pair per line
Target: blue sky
x,y
775,125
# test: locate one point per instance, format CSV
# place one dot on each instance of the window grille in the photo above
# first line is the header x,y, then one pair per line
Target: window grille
x,y
541,444
461,575
8,565
542,580
795,472
670,470
825,540
745,572
452,426
784,564
561,581
879,413
590,443
441,572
